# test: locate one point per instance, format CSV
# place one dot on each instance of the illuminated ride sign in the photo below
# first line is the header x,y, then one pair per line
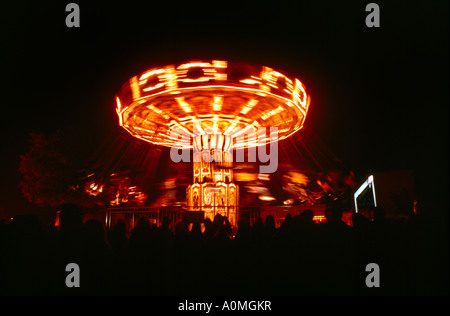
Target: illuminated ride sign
x,y
365,196
212,108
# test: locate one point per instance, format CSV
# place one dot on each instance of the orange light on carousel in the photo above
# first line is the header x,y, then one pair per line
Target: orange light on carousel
x,y
93,188
213,104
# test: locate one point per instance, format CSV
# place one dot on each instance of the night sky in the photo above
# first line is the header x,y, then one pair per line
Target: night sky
x,y
379,96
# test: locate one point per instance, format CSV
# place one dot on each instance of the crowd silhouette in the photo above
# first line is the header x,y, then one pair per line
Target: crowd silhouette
x,y
300,257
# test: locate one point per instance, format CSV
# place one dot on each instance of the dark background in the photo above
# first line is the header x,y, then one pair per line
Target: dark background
x,y
379,95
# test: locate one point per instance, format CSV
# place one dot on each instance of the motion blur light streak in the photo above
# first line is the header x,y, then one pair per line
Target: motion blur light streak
x,y
201,95
212,108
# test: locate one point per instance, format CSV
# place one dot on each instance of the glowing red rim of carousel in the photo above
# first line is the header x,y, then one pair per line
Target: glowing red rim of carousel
x,y
222,98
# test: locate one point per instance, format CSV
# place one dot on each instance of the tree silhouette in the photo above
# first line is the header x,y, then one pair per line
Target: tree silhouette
x,y
47,173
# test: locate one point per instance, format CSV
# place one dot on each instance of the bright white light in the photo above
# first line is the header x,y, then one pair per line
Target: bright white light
x,y
358,192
